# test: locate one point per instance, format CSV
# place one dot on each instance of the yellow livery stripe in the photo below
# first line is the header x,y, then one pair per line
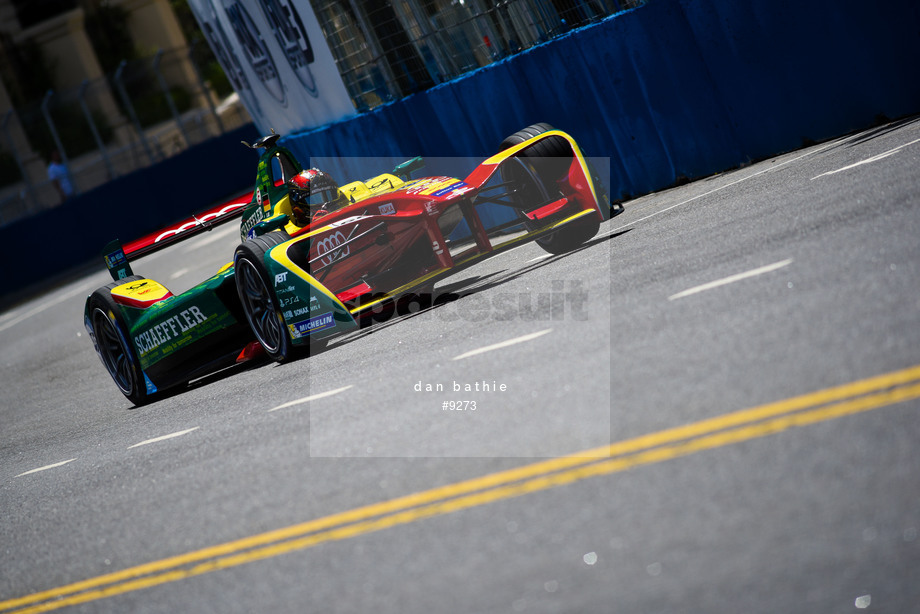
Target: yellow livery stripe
x,y
279,254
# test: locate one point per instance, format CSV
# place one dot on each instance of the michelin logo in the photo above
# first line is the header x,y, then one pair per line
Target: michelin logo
x,y
307,327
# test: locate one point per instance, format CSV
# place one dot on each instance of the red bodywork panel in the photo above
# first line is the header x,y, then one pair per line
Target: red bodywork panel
x,y
394,234
390,239
383,242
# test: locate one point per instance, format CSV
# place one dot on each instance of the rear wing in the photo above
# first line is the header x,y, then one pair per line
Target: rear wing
x,y
188,227
118,256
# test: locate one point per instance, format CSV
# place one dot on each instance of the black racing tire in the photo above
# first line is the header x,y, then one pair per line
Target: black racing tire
x,y
546,160
551,156
113,345
257,295
528,133
571,236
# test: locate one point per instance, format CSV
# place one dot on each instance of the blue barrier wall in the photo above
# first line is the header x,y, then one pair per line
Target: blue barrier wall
x,y
127,208
673,89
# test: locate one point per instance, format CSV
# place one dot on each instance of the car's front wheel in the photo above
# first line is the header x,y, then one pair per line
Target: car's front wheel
x,y
110,337
257,296
535,168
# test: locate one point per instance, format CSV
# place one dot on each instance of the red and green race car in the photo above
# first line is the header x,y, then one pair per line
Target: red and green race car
x,y
318,259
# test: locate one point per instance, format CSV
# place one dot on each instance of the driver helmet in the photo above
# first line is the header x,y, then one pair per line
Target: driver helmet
x,y
313,193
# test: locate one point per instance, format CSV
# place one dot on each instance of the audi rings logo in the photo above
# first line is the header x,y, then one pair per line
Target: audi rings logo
x,y
198,221
330,245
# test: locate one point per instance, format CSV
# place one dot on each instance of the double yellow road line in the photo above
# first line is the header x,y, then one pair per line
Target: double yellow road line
x,y
853,398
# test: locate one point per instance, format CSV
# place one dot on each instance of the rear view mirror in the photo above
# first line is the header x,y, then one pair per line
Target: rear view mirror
x,y
404,171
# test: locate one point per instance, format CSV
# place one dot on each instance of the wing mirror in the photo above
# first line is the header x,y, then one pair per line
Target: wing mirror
x,y
404,171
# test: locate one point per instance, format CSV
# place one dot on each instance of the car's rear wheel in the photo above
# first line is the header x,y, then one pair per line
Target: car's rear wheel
x,y
537,167
111,338
257,296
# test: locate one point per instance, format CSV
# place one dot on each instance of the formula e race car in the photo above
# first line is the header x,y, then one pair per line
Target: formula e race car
x,y
317,259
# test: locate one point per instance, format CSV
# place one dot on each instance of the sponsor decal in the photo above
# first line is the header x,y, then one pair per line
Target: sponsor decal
x,y
115,259
255,50
307,327
141,288
329,245
431,207
168,330
246,230
117,263
432,184
287,301
416,187
140,294
302,311
285,22
460,191
314,305
381,183
451,188
198,221
286,294
440,187
387,209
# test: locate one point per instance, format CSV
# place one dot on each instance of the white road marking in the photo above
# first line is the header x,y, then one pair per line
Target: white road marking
x,y
540,257
731,279
164,437
719,189
314,397
880,156
503,344
46,467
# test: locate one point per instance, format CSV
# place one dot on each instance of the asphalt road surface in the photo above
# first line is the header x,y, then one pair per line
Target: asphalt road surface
x,y
708,408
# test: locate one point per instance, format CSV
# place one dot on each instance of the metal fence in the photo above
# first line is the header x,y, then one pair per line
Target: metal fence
x,y
147,110
153,108
386,49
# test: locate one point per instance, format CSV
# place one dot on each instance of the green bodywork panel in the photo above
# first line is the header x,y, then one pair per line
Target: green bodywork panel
x,y
265,194
178,321
308,311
